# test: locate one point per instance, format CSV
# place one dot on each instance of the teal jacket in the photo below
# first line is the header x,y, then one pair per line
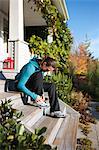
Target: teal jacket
x,y
25,74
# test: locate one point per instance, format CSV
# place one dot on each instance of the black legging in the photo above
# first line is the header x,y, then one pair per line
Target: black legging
x,y
36,84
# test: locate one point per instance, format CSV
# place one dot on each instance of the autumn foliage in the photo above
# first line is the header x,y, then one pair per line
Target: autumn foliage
x,y
80,59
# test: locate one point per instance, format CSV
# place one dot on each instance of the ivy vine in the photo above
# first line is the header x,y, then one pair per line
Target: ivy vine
x,y
61,33
59,49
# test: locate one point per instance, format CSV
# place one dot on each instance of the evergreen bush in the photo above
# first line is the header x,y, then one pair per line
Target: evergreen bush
x,y
13,135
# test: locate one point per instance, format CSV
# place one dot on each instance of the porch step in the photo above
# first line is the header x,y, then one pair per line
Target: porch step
x,y
30,113
9,74
2,85
52,124
10,95
61,132
66,137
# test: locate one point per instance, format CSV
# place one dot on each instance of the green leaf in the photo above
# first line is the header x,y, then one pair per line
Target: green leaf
x,y
41,140
21,130
34,137
10,137
45,147
21,139
40,131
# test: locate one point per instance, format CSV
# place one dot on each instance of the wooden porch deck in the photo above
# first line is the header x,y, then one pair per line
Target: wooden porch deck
x,y
61,132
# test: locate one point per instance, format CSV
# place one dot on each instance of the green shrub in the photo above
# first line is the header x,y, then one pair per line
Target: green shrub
x,y
63,86
62,81
89,83
13,135
84,144
42,48
93,79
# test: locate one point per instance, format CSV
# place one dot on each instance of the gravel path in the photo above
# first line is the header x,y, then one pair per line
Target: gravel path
x,y
94,134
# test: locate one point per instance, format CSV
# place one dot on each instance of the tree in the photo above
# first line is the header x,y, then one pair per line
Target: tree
x,y
81,58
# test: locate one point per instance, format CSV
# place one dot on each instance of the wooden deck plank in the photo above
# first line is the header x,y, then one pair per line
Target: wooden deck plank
x,y
70,136
2,85
6,94
52,124
54,131
33,118
60,135
9,95
67,145
26,110
74,137
46,122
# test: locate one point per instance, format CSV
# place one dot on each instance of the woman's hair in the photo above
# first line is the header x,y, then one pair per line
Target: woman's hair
x,y
50,62
30,48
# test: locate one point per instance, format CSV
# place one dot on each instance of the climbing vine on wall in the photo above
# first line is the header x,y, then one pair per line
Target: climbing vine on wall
x,y
59,49
61,33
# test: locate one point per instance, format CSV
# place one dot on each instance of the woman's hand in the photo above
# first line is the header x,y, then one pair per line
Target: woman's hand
x,y
43,98
40,98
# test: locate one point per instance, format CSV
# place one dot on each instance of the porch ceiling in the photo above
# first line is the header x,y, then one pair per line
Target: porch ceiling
x,y
35,18
32,18
4,6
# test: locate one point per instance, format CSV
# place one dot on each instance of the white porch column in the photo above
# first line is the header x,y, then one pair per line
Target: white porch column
x,y
1,41
17,47
1,36
16,25
3,53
